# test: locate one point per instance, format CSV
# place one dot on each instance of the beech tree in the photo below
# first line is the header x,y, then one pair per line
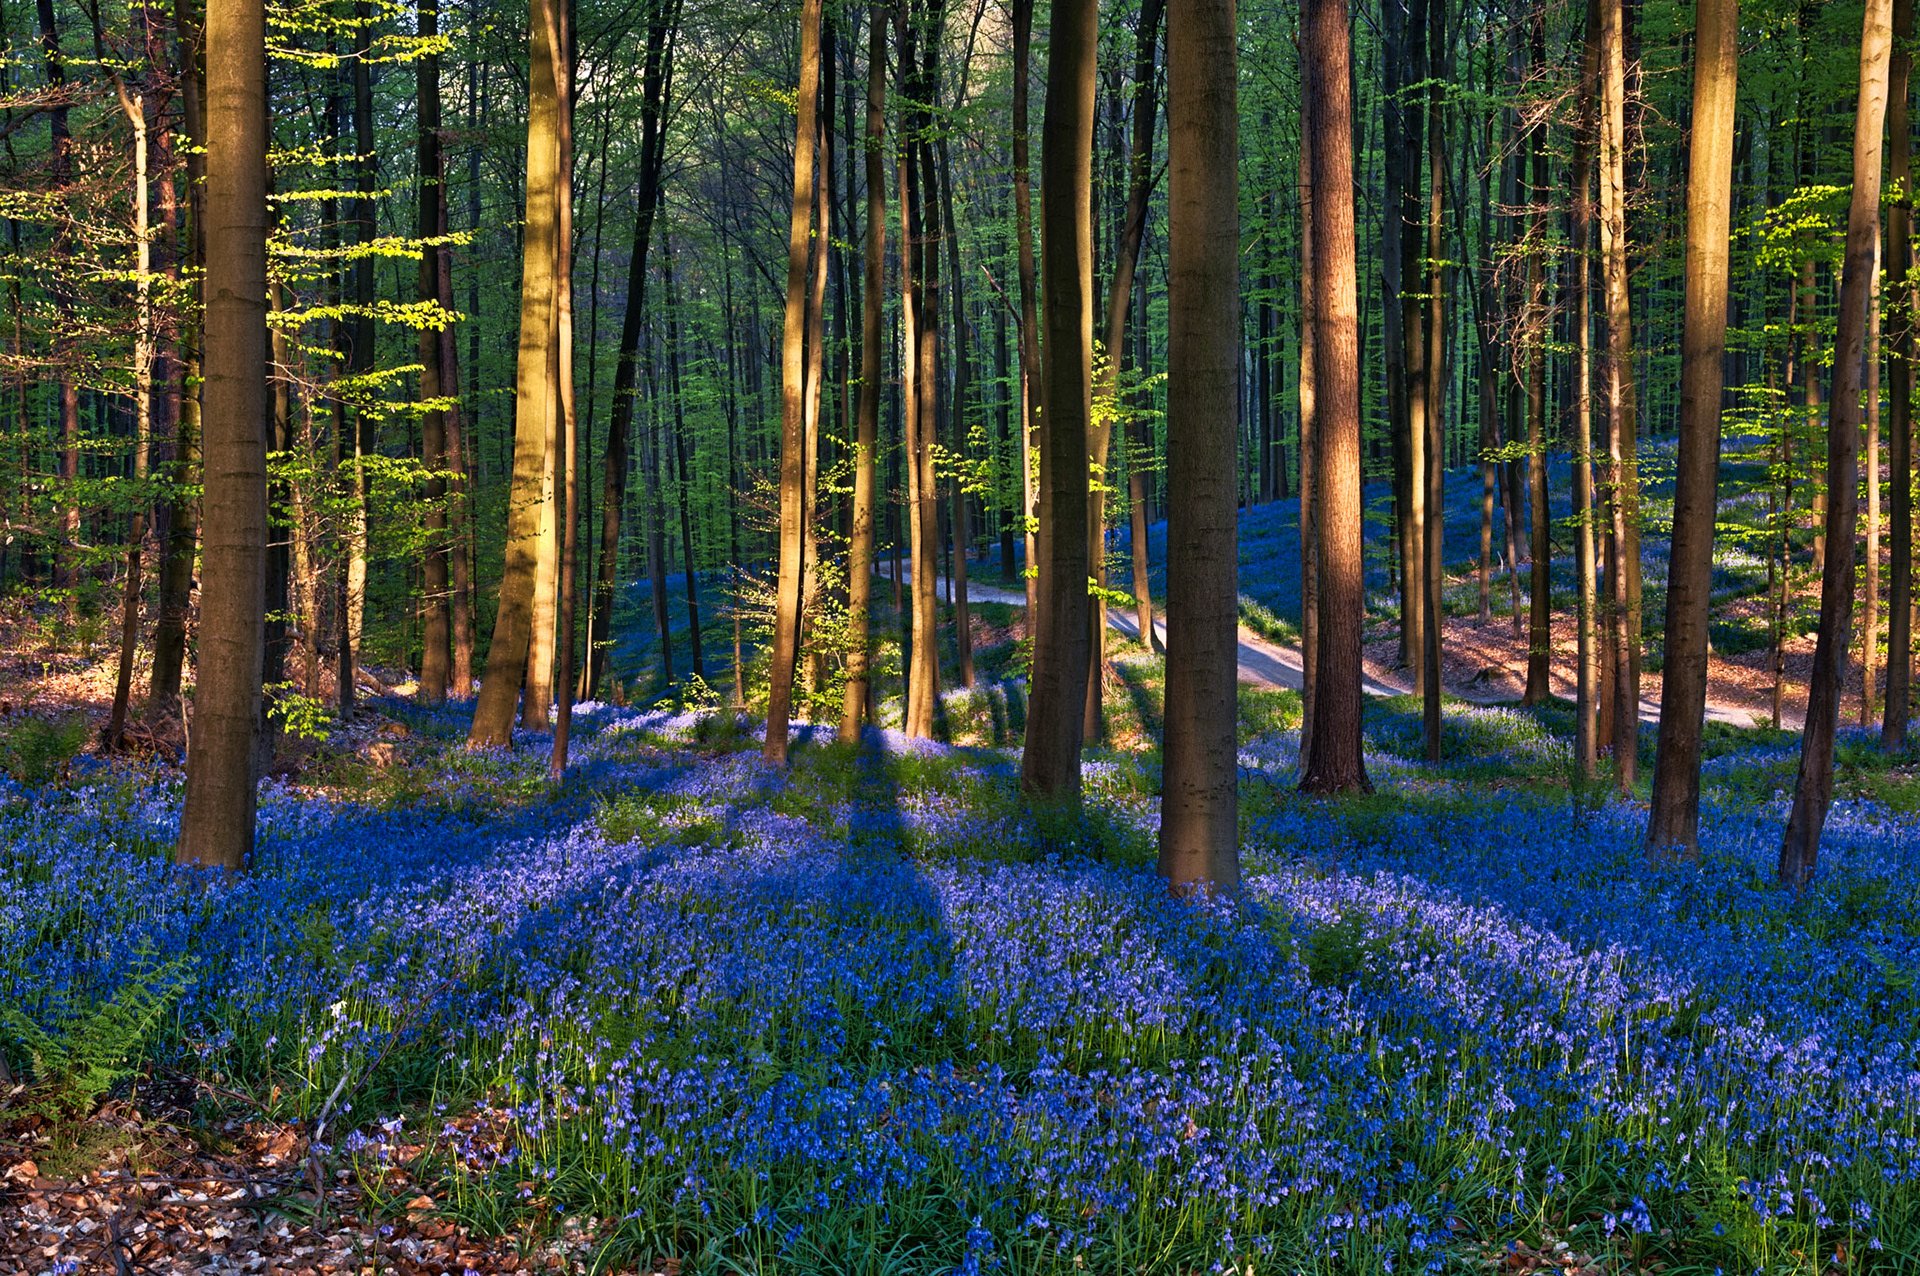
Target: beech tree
x,y
216,826
1813,786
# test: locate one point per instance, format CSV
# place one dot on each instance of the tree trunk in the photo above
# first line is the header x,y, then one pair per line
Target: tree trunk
x,y
616,464
1623,677
1675,818
853,706
1309,463
1433,539
1899,697
1050,762
1030,369
536,396
793,461
1119,301
1539,329
1586,683
1199,806
1813,787
566,488
216,826
436,647
1334,763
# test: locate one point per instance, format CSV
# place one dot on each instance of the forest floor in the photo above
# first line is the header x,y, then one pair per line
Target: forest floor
x,y
876,1014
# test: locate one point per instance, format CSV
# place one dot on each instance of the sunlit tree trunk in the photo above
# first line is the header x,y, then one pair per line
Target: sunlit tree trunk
x,y
1119,301
1893,724
536,396
1050,762
1030,370
216,826
1586,586
144,345
1813,787
1334,763
793,350
1199,806
1623,678
566,465
1433,575
853,707
1675,819
1309,462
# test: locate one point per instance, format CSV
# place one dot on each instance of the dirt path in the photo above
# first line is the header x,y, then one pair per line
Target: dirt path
x,y
1264,663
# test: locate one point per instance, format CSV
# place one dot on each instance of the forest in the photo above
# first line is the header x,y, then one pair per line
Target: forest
x,y
945,636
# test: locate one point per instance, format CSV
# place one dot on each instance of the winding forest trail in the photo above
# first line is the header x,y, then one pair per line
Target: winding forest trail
x,y
1265,663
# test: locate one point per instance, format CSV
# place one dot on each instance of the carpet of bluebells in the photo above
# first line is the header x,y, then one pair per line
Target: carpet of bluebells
x,y
874,1015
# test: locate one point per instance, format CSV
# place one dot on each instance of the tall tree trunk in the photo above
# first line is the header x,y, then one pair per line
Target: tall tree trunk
x,y
918,392
436,647
853,707
1199,806
1050,762
1334,763
1433,538
566,488
793,460
1030,369
360,357
1119,301
536,394
1623,569
1675,818
175,571
1813,787
616,464
1539,331
1310,450
67,570
1899,697
1870,629
1586,683
685,482
959,432
216,825
144,360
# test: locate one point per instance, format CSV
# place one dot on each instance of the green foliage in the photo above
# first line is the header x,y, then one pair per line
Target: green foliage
x,y
75,1060
36,750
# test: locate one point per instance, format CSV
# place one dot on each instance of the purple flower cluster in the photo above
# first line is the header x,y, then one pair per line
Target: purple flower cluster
x,y
877,989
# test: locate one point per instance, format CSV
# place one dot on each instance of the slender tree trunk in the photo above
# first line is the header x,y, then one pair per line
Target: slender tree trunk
x,y
1899,697
1870,630
1623,563
684,474
1539,331
1587,675
1030,369
616,463
793,461
135,107
436,647
536,396
216,826
1199,807
959,433
566,487
1334,763
1813,787
1119,301
853,707
1433,565
1310,450
1050,762
1675,818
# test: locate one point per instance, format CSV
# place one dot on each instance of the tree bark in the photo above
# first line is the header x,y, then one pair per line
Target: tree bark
x,y
793,349
1334,762
436,646
853,706
216,825
1623,570
536,397
1030,369
1813,787
1050,762
1675,818
1899,694
1199,805
1539,331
